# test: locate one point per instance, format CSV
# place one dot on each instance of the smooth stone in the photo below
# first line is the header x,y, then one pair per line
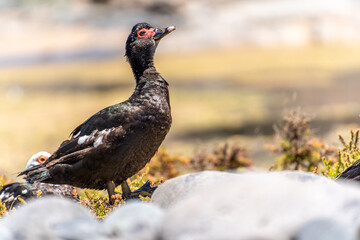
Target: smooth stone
x,y
5,234
177,189
253,205
51,217
303,176
135,220
327,229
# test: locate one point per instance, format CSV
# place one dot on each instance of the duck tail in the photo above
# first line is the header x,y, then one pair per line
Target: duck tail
x,y
36,174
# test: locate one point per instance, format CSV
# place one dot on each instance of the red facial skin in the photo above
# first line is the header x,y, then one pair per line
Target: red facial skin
x,y
42,159
144,33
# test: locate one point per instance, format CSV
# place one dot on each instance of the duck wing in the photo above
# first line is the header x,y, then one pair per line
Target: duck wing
x,y
107,124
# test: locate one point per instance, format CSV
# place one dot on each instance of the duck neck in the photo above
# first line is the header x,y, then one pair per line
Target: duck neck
x,y
151,82
140,62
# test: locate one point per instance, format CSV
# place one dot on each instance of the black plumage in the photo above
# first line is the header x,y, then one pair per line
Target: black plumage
x,y
118,141
11,194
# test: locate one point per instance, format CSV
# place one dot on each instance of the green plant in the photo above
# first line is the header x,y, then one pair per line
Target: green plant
x,y
97,202
3,210
3,181
298,149
347,155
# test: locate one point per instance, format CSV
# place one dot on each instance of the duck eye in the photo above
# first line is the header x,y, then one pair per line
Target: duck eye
x,y
41,159
143,33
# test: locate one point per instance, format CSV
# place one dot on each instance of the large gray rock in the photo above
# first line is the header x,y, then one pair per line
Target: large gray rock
x,y
253,205
135,220
50,218
303,177
177,189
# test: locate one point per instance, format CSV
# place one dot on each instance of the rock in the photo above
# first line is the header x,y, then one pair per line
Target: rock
x,y
304,176
5,234
253,205
51,218
206,205
135,220
177,189
327,229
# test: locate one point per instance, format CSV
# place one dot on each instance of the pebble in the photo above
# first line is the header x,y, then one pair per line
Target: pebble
x,y
135,220
51,218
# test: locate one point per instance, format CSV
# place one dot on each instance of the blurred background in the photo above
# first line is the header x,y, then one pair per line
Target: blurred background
x,y
234,68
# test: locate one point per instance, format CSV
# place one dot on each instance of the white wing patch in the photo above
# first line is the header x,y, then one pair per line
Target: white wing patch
x,y
98,141
98,135
85,138
78,134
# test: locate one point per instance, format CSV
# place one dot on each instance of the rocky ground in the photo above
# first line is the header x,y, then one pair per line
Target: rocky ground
x,y
206,205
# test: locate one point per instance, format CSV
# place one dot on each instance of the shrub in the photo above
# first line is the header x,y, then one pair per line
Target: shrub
x,y
164,166
298,149
3,210
223,157
347,155
97,202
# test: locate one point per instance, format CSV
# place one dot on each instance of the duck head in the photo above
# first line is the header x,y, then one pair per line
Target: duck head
x,y
36,159
141,45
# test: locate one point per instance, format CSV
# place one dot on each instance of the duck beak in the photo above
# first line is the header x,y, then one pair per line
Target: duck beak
x,y
162,32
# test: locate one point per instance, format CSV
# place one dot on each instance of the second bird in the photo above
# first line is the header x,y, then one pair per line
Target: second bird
x,y
118,141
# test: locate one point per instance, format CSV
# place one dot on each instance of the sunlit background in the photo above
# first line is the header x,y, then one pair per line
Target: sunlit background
x,y
234,68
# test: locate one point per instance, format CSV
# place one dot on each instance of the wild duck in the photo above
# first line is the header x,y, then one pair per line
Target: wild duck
x,y
118,141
